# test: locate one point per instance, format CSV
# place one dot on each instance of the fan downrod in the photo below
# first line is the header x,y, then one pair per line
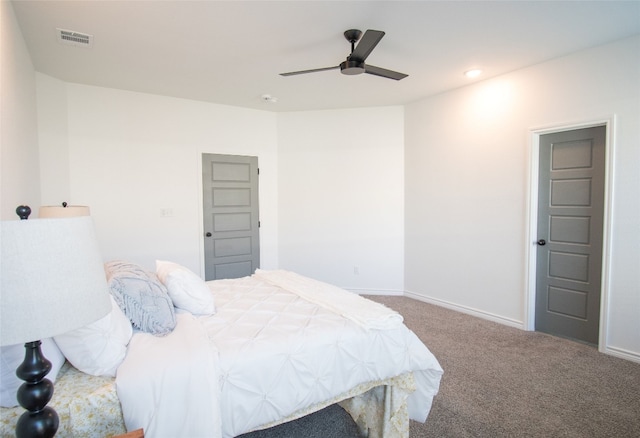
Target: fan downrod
x,y
352,67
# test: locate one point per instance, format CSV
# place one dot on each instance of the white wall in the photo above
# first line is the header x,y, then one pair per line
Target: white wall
x,y
341,197
54,140
20,174
467,176
131,155
331,202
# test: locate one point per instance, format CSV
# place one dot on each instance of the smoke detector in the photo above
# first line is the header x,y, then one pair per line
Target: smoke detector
x,y
73,38
267,98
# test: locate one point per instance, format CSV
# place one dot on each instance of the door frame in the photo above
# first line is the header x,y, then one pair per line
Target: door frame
x,y
532,223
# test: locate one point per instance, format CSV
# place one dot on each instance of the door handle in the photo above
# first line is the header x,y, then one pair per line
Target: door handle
x,y
541,242
208,234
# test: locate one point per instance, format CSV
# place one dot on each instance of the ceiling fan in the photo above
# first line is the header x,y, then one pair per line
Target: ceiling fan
x,y
354,65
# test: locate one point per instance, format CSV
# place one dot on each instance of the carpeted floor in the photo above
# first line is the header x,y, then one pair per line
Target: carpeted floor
x,y
503,382
331,422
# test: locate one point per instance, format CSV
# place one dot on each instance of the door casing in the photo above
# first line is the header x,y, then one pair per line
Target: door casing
x,y
532,238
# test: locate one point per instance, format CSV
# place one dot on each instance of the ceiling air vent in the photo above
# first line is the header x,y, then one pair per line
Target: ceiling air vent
x,y
73,38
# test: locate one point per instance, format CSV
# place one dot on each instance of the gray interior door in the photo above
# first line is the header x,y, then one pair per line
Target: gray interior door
x,y
231,223
570,227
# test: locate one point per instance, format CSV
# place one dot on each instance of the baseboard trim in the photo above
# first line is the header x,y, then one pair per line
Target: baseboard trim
x,y
622,353
468,310
390,292
612,351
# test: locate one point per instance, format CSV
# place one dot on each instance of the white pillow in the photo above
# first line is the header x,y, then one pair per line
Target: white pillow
x,y
100,347
11,356
187,291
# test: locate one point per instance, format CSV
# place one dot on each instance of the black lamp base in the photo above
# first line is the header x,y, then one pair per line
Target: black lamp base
x,y
40,420
43,424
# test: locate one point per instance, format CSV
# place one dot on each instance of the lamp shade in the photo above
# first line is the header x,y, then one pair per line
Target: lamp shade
x,y
59,211
53,278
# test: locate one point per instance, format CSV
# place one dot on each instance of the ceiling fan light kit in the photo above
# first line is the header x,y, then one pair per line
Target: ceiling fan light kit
x,y
355,62
352,67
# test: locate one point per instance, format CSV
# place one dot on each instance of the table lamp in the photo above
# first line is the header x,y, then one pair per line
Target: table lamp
x,y
52,282
63,210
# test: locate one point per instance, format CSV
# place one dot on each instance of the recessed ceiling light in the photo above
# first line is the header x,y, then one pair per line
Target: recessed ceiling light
x,y
473,73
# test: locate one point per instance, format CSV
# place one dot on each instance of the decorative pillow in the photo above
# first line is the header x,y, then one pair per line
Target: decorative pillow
x,y
187,291
142,297
11,356
100,347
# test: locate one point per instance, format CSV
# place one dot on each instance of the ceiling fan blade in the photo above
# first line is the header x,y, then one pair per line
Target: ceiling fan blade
x,y
367,43
292,73
378,71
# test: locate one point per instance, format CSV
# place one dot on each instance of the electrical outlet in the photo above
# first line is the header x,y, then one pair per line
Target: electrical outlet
x,y
356,270
166,212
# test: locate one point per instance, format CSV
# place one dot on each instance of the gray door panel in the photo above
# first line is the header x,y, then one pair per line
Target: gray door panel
x,y
230,207
570,221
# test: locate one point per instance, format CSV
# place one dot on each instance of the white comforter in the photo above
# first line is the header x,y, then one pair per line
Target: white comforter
x,y
266,353
169,385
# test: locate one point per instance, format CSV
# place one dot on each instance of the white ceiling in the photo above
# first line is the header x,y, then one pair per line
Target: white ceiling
x,y
231,52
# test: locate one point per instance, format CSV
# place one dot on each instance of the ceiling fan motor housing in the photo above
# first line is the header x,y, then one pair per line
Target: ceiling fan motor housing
x,y
350,67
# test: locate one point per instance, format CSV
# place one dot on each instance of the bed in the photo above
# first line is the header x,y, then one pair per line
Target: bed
x,y
241,355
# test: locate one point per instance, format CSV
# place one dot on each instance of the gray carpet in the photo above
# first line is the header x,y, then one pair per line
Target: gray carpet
x,y
503,382
331,422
